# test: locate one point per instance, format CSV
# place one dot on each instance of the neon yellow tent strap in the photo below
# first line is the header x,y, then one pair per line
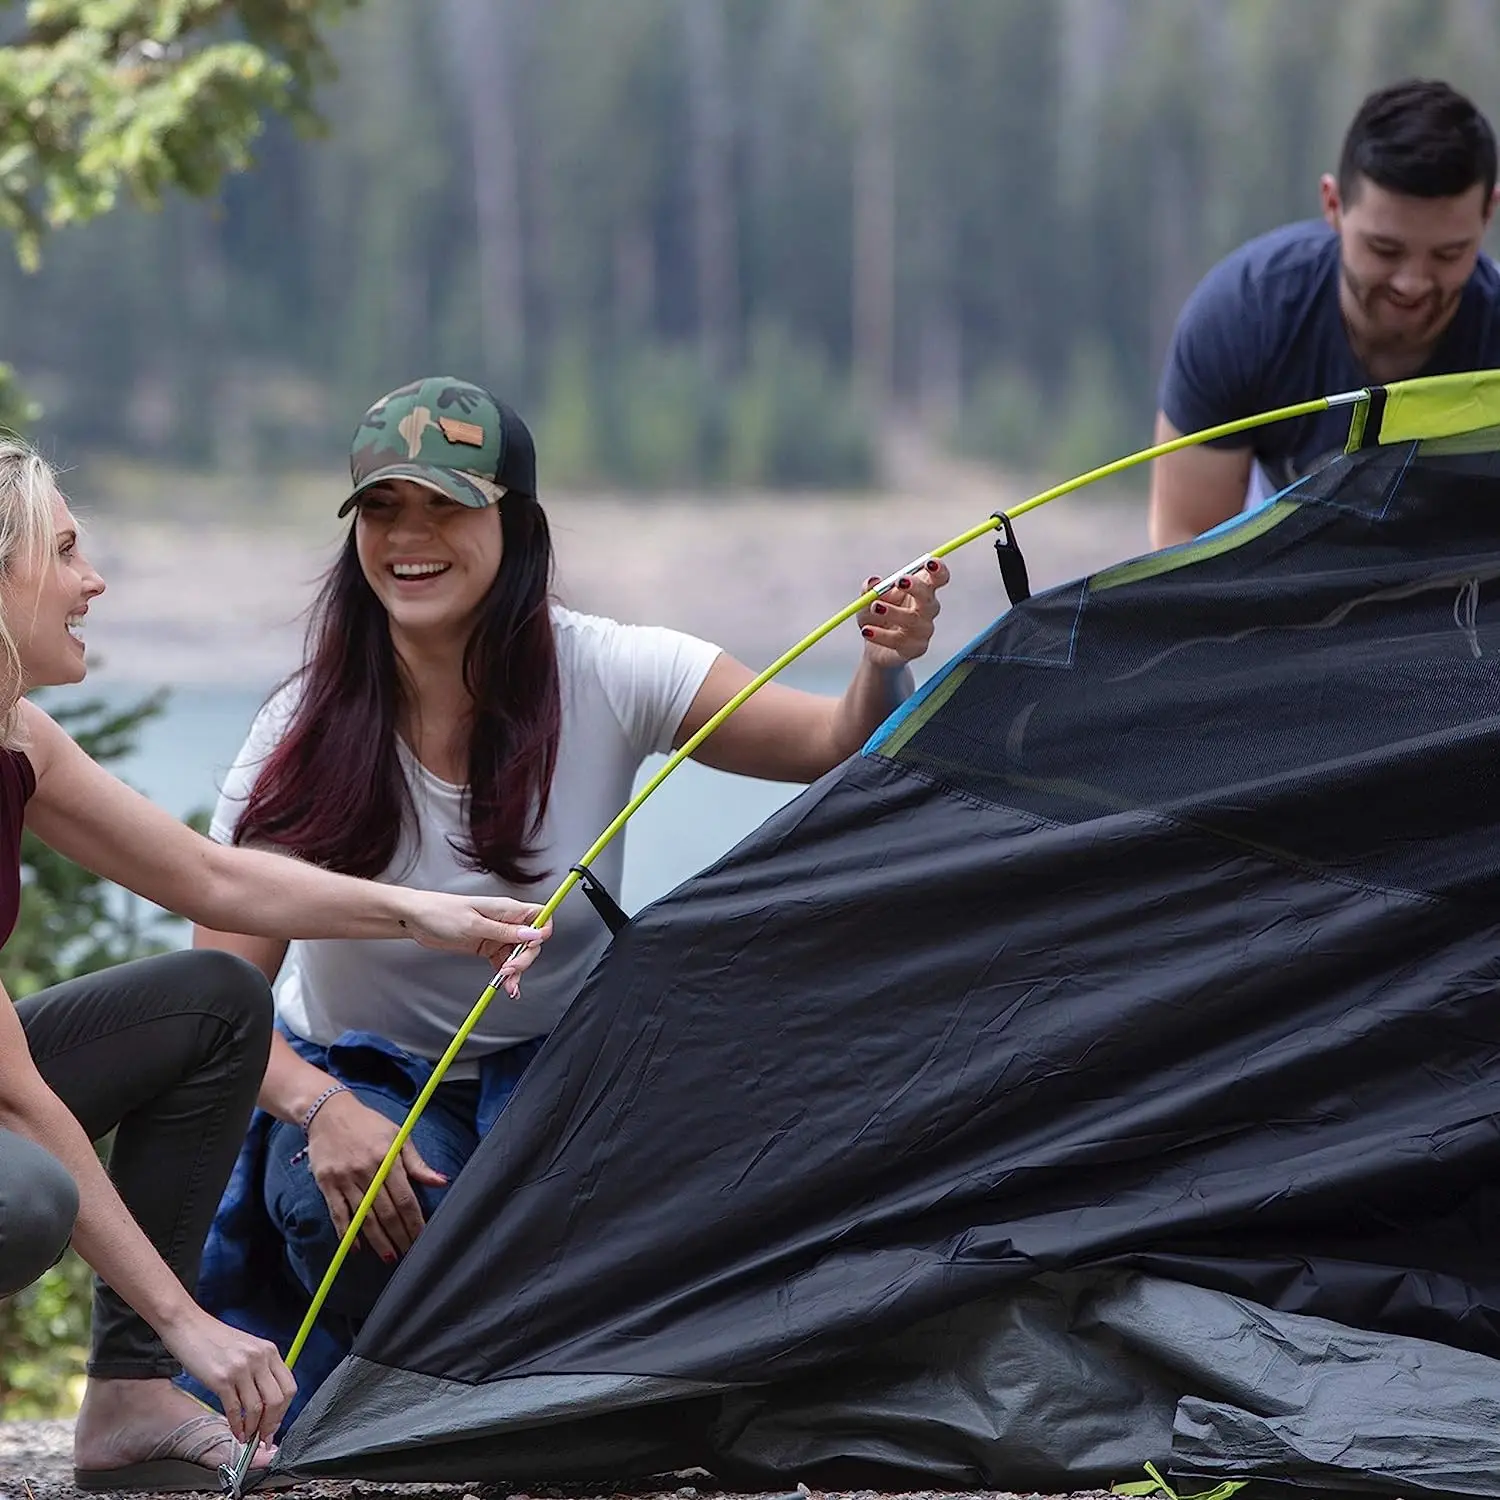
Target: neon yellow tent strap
x,y
1157,1488
1438,406
1119,466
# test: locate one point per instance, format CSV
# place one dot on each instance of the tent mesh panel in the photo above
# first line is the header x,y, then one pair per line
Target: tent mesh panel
x,y
1274,672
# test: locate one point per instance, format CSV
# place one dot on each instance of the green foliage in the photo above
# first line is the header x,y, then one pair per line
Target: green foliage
x,y
1011,422
17,410
792,421
649,419
662,416
569,444
1092,423
1004,421
515,191
97,96
44,1335
72,922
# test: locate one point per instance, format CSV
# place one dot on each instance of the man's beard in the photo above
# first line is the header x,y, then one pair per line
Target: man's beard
x,y
1374,337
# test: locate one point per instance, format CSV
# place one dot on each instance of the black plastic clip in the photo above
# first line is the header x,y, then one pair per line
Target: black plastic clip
x,y
1369,436
603,903
1012,564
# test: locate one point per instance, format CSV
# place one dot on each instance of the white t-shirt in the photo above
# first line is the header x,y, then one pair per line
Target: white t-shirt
x,y
625,690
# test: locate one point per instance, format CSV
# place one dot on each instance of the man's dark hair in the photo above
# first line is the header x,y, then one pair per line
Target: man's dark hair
x,y
1421,138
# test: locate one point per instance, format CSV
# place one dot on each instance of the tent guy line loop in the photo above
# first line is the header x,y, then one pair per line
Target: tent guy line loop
x,y
233,1477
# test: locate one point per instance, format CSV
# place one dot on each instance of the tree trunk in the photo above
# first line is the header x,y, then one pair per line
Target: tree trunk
x,y
634,280
874,278
1093,40
486,36
1175,267
215,394
711,125
940,348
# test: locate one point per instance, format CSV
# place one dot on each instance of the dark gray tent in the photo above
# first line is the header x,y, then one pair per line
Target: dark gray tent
x,y
1103,1066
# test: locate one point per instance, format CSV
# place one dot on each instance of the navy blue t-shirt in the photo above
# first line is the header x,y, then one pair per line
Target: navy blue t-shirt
x,y
1263,329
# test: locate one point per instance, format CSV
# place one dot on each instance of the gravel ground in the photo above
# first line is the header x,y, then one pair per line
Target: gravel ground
x,y
35,1464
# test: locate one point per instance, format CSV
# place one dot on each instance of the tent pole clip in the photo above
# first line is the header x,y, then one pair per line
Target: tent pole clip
x,y
601,900
1012,564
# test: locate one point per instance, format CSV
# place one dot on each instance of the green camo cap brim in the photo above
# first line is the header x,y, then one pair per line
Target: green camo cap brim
x,y
465,488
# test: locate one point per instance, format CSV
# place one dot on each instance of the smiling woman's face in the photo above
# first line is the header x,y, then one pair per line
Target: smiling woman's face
x,y
430,560
45,600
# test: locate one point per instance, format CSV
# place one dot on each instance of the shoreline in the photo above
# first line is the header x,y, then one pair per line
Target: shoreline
x,y
200,601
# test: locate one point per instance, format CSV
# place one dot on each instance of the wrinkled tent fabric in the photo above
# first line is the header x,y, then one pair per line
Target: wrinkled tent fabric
x,y
1104,1066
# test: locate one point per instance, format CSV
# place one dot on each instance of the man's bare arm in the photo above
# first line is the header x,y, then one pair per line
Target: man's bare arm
x,y
1194,489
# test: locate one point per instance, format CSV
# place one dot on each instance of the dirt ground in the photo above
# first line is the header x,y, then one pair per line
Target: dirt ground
x,y
35,1465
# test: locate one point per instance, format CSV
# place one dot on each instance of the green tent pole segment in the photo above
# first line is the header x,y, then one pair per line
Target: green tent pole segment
x,y
1119,466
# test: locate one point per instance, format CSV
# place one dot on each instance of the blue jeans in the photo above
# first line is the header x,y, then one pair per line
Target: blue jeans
x,y
445,1137
272,1239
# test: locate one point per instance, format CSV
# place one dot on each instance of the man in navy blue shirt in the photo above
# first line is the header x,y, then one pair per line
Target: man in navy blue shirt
x,y
1389,284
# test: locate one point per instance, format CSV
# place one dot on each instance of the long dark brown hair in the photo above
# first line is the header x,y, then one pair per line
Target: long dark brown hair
x,y
333,791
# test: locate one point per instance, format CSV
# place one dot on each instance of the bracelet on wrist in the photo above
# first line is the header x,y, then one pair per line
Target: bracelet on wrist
x,y
319,1102
312,1113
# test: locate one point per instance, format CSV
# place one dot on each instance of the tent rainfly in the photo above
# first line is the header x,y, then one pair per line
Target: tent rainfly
x,y
1103,1066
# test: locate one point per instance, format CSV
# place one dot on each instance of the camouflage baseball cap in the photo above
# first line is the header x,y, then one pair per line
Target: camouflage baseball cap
x,y
444,433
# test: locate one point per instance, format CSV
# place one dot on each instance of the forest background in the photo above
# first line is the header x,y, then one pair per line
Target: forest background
x,y
720,243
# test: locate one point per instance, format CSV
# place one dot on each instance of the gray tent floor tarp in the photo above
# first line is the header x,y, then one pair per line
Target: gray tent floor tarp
x,y
1076,1373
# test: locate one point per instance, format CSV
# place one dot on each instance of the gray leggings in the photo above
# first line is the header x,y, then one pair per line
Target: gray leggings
x,y
168,1053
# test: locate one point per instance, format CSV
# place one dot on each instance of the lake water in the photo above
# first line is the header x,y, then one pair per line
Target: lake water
x,y
694,817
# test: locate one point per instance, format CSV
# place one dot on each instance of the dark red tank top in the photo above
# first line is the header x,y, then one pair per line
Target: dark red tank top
x,y
17,783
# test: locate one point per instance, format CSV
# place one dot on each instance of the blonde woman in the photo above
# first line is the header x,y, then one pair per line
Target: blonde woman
x,y
167,1052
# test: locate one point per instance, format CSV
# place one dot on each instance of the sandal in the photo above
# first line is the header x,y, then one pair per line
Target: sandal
x,y
175,1466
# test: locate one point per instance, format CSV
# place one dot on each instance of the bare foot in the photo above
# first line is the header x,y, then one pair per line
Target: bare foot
x,y
124,1421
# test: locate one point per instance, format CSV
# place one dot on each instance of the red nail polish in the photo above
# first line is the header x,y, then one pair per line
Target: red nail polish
x,y
878,607
865,631
932,566
389,1258
905,583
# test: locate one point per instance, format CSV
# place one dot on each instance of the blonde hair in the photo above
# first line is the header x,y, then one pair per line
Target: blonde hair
x,y
28,489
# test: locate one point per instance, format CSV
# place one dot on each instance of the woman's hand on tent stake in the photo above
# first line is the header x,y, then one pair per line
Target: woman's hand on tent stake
x,y
897,627
246,1373
345,1147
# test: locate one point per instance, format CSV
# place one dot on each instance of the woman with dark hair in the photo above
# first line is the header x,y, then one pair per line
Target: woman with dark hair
x,y
167,1053
452,726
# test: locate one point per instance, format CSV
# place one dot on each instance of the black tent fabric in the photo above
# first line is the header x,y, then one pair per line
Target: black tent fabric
x,y
1103,1066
